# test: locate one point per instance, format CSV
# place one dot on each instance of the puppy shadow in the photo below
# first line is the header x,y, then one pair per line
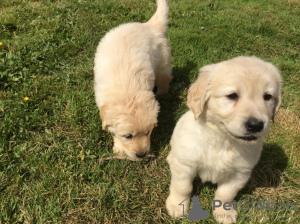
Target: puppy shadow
x,y
171,107
267,173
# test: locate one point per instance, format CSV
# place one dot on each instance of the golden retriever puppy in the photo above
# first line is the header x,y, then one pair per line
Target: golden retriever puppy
x,y
130,59
220,138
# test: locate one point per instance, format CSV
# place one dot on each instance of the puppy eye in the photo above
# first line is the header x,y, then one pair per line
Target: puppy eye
x,y
130,136
147,133
232,96
267,97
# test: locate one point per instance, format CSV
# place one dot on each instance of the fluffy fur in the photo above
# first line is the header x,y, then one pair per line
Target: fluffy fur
x,y
131,59
220,138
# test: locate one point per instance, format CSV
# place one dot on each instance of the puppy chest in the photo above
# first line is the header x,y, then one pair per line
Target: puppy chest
x,y
216,166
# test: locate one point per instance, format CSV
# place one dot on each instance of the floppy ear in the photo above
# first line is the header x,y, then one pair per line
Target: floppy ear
x,y
198,92
277,104
105,117
278,80
145,103
152,106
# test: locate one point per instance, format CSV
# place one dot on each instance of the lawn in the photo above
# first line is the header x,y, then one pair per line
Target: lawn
x,y
51,139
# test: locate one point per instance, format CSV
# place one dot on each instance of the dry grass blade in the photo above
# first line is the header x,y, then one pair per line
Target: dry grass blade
x,y
124,157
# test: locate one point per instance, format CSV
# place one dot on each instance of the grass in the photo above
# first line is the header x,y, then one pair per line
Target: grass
x,y
50,144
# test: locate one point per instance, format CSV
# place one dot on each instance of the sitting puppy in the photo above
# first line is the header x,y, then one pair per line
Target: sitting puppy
x,y
220,138
130,60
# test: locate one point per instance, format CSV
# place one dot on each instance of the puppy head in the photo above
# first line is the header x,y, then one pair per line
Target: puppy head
x,y
238,96
130,118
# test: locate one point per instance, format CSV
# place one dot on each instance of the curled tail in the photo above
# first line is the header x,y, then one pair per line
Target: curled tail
x,y
160,17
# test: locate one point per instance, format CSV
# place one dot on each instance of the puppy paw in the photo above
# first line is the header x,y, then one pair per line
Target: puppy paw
x,y
177,207
225,217
118,151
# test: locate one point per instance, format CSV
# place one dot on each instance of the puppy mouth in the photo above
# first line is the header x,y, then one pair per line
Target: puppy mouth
x,y
247,138
138,156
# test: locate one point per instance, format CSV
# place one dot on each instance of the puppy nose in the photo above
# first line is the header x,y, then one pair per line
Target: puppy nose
x,y
253,125
140,154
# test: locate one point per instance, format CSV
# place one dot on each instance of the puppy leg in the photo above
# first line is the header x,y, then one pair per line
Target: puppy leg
x,y
180,189
117,148
163,74
162,82
226,193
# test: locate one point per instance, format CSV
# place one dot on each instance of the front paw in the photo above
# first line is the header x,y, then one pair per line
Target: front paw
x,y
118,151
177,206
225,216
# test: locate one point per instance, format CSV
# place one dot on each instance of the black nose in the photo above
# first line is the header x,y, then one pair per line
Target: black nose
x,y
253,125
140,154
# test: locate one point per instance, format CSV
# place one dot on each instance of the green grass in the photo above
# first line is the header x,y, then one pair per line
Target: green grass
x,y
50,145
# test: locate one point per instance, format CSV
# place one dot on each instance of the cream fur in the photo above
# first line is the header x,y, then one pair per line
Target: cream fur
x,y
130,59
207,139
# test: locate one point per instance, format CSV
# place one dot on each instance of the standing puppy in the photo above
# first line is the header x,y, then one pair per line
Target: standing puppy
x,y
220,138
130,60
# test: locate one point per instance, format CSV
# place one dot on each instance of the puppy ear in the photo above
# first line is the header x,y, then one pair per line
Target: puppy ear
x,y
147,104
198,92
277,105
278,80
104,117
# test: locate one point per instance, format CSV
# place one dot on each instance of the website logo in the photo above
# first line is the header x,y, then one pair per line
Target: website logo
x,y
198,213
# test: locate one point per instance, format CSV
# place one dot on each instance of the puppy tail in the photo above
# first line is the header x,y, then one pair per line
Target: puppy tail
x,y
160,17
